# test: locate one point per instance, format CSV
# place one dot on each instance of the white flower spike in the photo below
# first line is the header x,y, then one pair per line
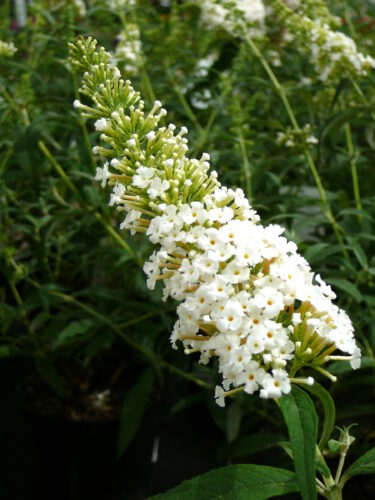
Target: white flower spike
x,y
246,296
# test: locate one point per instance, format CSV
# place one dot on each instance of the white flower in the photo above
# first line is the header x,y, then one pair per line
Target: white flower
x,y
275,385
219,288
252,377
129,220
194,212
355,363
220,396
270,301
103,174
255,341
152,269
235,272
189,273
284,351
157,188
230,317
206,266
160,226
116,194
189,319
143,177
221,215
221,252
326,289
199,301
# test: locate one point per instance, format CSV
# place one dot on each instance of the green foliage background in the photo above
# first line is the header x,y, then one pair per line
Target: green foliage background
x,y
73,301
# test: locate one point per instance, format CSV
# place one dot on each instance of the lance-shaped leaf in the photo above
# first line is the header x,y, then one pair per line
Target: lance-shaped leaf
x,y
133,409
329,411
302,422
240,482
364,465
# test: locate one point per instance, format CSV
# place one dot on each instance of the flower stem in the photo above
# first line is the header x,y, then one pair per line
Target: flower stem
x,y
153,358
353,168
334,494
206,131
5,159
189,112
246,165
82,124
77,193
340,467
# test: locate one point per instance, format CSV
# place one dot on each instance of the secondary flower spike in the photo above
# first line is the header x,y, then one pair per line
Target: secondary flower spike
x,y
246,296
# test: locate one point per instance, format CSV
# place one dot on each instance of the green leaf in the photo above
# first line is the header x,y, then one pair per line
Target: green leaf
x,y
74,329
99,341
355,213
364,465
334,445
285,445
248,444
334,123
5,351
50,374
315,250
329,412
347,287
187,402
234,416
133,409
320,251
360,255
358,251
322,467
240,482
302,422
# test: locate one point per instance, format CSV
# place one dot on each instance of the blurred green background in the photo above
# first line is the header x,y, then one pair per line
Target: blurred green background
x,y
95,403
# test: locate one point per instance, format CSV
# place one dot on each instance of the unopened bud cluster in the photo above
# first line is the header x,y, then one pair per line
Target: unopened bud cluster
x,y
297,139
246,296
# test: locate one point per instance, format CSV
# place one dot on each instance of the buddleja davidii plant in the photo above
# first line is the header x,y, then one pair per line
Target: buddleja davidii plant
x,y
333,54
246,296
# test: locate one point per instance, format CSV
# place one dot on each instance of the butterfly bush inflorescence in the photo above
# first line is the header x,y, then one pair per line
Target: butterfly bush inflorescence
x,y
246,296
310,23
